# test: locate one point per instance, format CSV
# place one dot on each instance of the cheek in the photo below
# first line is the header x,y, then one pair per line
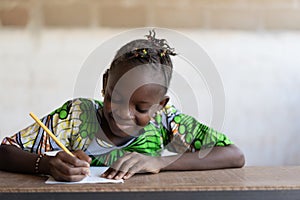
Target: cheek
x,y
142,119
107,107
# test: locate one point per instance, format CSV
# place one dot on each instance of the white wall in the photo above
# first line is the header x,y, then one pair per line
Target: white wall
x,y
260,73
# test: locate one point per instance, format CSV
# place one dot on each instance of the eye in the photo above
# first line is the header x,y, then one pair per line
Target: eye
x,y
140,110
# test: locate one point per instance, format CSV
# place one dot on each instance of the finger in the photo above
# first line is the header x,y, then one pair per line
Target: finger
x,y
68,169
104,175
82,156
112,174
119,175
128,165
65,172
75,178
133,170
72,160
71,178
127,175
119,162
113,170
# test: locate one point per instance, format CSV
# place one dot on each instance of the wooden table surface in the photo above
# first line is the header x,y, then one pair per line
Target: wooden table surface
x,y
244,179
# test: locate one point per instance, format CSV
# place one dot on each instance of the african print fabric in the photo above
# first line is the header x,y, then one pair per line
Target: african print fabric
x,y
76,123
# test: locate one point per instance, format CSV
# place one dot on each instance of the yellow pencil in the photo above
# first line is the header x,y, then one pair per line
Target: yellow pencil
x,y
50,134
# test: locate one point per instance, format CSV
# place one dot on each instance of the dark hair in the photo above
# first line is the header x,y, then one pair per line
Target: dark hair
x,y
151,51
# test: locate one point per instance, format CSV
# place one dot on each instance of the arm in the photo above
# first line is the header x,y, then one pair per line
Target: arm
x,y
181,130
62,167
19,153
218,158
15,159
223,153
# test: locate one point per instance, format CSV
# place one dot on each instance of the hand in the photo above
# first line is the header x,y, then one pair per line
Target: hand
x,y
132,163
64,167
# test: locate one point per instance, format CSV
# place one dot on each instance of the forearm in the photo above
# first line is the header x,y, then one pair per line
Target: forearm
x,y
218,158
16,160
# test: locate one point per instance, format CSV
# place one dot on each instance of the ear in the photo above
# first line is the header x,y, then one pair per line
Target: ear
x,y
163,102
104,81
157,107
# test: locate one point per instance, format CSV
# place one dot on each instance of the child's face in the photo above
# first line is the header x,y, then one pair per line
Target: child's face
x,y
129,107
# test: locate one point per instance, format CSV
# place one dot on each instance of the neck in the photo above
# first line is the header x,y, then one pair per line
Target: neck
x,y
107,135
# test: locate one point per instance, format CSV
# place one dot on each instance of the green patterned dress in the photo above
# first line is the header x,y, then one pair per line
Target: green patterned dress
x,y
77,121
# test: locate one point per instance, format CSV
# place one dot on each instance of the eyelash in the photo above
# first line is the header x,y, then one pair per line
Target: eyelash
x,y
141,111
137,109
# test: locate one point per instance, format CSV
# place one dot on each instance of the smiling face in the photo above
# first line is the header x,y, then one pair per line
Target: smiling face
x,y
131,98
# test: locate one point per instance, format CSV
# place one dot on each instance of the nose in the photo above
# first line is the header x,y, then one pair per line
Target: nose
x,y
122,112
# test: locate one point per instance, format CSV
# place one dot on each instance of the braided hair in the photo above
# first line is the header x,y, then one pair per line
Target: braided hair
x,y
151,51
146,51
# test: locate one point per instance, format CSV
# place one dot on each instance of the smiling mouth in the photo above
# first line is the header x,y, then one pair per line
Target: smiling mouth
x,y
124,127
122,124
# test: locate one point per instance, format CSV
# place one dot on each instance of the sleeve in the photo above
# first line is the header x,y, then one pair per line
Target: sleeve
x,y
185,133
34,139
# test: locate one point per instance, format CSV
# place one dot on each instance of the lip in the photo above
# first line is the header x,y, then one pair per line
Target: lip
x,y
122,122
125,128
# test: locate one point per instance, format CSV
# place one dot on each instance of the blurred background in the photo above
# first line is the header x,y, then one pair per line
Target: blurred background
x,y
254,44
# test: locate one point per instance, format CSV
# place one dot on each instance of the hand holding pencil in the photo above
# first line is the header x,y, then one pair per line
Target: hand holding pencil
x,y
66,166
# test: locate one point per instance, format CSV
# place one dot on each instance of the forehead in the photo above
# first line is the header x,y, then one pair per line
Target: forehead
x,y
138,82
127,77
150,93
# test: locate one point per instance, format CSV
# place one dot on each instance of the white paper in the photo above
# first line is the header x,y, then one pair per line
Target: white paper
x,y
52,153
93,178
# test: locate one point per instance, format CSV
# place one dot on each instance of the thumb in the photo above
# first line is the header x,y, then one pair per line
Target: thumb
x,y
82,156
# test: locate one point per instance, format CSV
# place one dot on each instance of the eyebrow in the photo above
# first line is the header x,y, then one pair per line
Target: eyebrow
x,y
143,102
116,92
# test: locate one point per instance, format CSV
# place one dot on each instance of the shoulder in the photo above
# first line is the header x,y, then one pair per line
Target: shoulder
x,y
83,103
169,111
165,116
76,105
83,120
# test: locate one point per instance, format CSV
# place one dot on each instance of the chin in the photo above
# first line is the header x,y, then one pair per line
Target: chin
x,y
124,130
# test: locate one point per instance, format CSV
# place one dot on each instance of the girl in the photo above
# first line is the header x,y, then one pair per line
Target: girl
x,y
128,131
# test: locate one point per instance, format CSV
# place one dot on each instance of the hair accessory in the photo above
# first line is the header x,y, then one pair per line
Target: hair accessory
x,y
163,53
145,51
135,52
160,44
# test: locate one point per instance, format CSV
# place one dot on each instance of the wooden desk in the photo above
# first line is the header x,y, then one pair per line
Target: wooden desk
x,y
246,183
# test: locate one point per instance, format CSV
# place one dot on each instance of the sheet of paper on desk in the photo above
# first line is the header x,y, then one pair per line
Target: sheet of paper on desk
x,y
93,178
